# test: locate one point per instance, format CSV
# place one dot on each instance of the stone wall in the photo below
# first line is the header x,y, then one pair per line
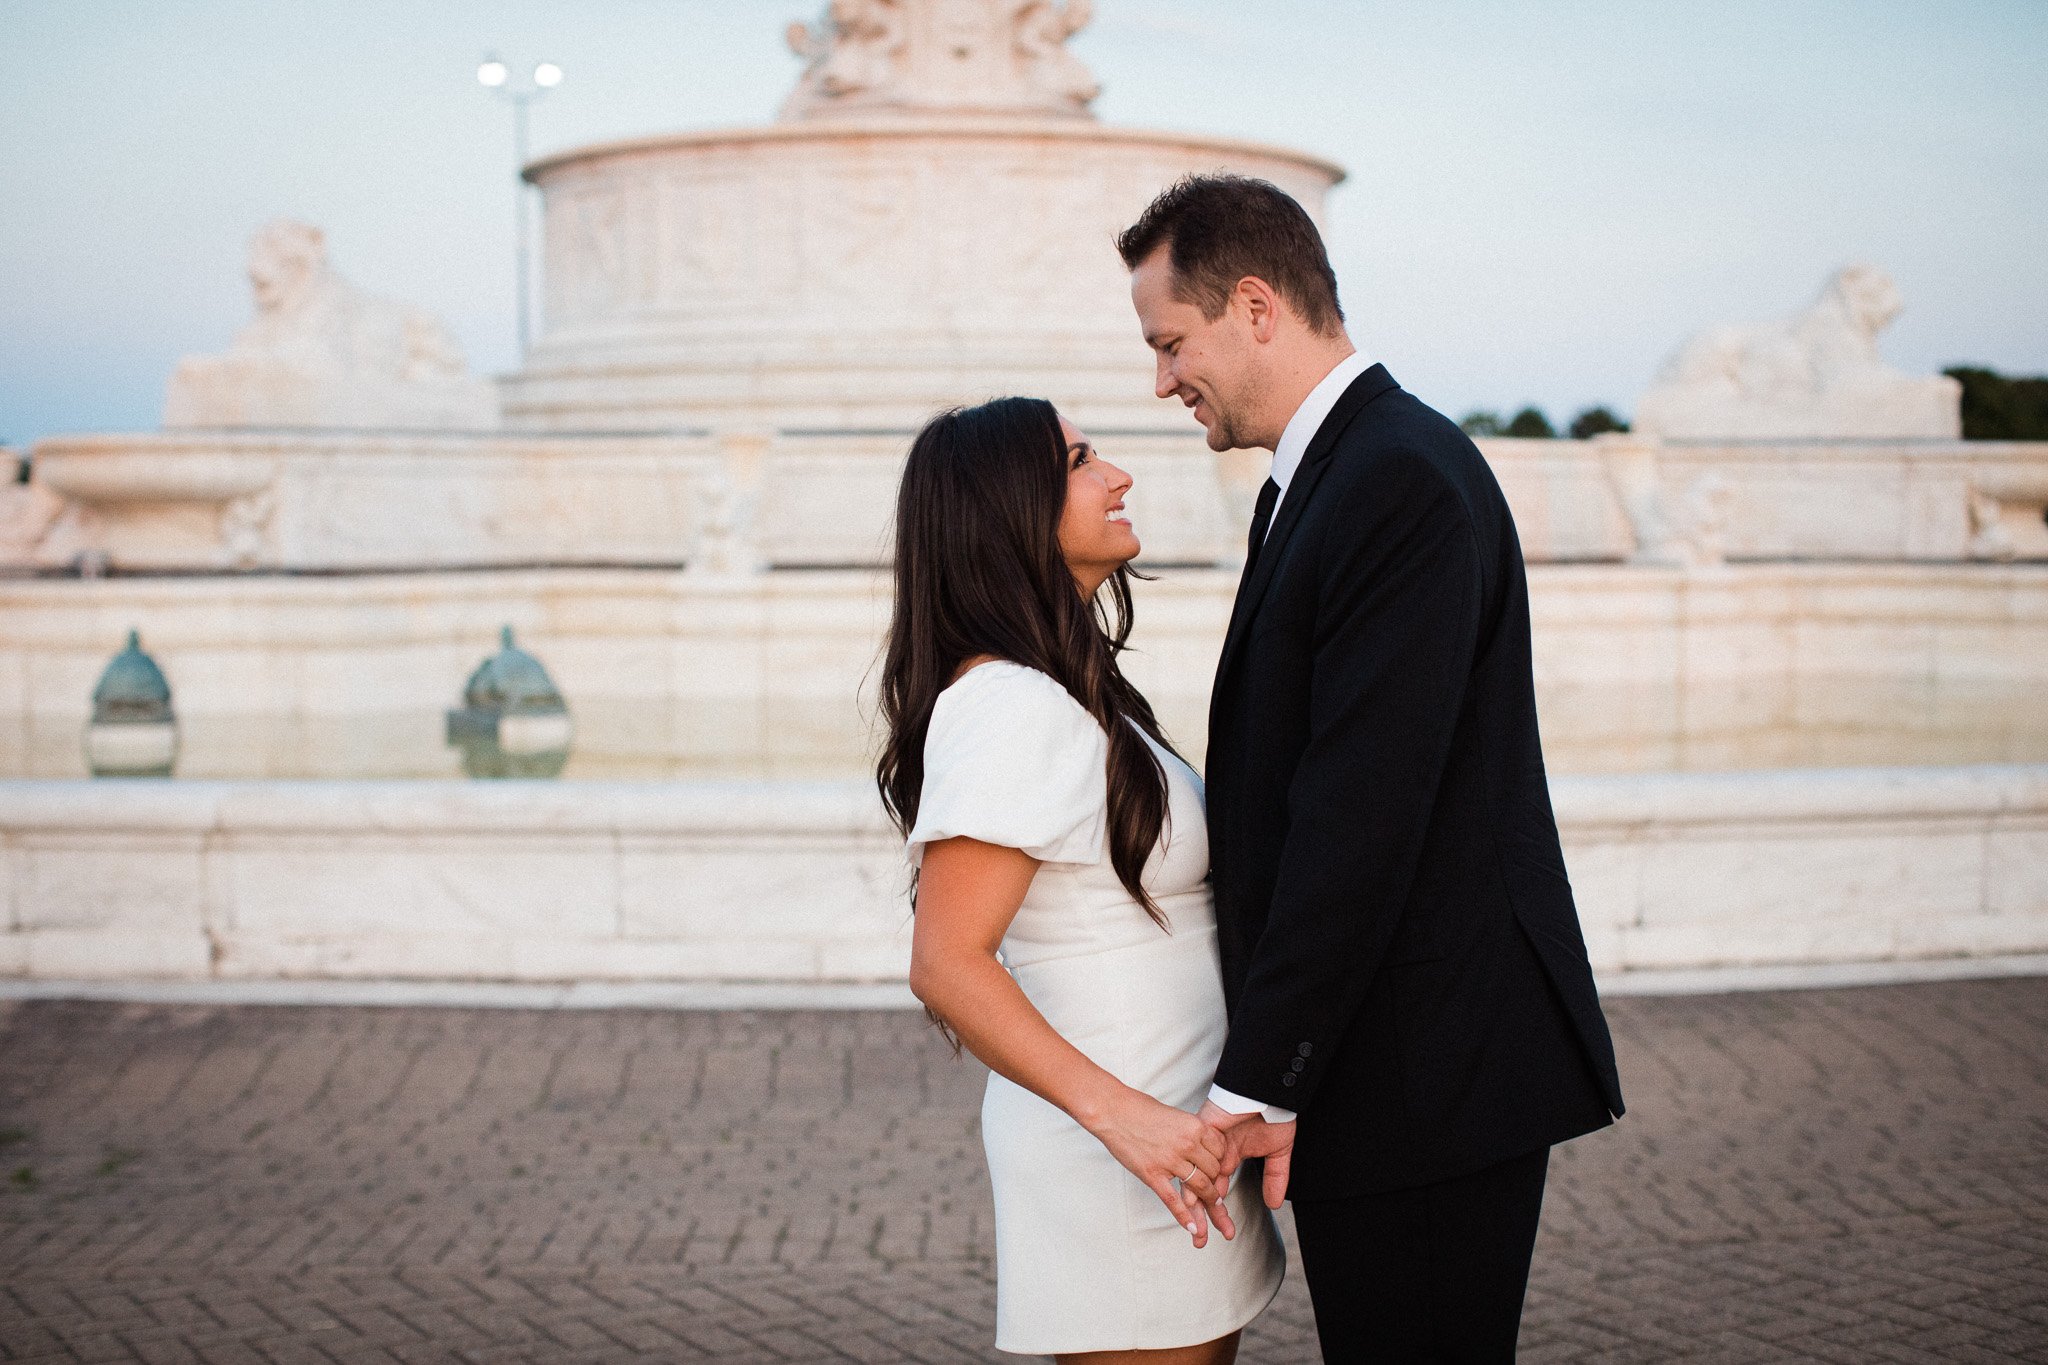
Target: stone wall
x,y
791,882
676,674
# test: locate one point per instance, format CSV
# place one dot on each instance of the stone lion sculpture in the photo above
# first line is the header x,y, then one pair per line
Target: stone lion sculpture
x,y
322,353
1814,376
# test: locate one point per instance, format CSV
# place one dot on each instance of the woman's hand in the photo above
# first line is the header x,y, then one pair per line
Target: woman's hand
x,y
1163,1146
967,894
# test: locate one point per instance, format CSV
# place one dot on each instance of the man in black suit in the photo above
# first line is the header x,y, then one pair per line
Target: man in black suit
x,y
1401,954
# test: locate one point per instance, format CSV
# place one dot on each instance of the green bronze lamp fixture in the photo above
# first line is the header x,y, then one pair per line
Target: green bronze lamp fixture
x,y
133,731
513,721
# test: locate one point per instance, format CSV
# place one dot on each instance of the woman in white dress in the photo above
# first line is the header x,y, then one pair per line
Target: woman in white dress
x,y
1064,930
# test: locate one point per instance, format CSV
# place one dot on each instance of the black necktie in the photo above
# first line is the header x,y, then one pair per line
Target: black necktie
x,y
1262,518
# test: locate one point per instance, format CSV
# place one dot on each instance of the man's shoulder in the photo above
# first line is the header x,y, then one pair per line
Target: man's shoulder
x,y
1399,437
1397,421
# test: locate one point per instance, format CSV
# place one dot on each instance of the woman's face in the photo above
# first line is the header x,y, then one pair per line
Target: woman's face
x,y
1095,531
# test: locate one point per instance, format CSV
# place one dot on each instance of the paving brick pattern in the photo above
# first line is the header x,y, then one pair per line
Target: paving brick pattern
x,y
1852,1175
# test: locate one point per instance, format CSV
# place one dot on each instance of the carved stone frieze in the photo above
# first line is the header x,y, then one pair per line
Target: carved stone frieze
x,y
245,524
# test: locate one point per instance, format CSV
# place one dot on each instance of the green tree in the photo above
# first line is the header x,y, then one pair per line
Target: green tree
x,y
1999,407
1532,423
1594,421
1481,422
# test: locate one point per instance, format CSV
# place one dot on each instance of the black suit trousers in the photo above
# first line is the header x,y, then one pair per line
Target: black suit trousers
x,y
1432,1273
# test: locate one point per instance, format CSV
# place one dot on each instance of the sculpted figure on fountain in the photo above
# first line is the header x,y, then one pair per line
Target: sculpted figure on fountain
x,y
321,352
1814,376
941,57
1042,30
853,49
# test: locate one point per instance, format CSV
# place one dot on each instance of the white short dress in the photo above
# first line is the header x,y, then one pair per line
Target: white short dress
x,y
1087,1258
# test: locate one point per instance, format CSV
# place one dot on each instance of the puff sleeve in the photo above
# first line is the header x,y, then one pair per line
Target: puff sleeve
x,y
1012,759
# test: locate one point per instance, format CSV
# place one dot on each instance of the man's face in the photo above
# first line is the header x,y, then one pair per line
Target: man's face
x,y
1206,364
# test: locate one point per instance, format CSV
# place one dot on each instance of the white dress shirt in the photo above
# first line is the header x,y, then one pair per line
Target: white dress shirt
x,y
1308,420
1301,429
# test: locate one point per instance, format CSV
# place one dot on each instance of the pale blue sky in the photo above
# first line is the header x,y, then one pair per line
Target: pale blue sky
x,y
1544,197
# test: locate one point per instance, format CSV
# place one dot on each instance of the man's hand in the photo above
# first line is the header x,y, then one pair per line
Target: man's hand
x,y
1249,1135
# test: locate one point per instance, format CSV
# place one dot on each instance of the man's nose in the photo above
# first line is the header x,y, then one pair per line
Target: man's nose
x,y
1163,384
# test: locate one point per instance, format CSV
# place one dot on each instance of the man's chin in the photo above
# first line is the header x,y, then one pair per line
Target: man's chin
x,y
1215,429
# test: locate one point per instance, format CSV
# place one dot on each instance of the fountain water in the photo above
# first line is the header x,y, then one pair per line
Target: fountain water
x,y
1785,671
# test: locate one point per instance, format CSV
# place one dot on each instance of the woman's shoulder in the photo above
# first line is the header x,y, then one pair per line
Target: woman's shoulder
x,y
1010,758
1014,696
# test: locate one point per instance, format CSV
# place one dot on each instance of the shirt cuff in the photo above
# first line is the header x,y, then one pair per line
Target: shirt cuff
x,y
1230,1102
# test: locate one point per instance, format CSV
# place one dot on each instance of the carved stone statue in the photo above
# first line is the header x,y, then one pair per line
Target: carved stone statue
x,y
1676,527
1042,30
1816,375
854,49
28,513
322,353
941,57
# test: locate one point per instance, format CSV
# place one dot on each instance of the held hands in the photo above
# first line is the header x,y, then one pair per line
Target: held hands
x,y
1249,1135
1163,1146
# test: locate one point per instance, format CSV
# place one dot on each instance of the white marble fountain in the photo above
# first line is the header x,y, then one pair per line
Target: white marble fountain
x,y
1791,635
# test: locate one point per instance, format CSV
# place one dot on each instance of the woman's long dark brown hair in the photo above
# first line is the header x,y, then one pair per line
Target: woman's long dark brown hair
x,y
979,571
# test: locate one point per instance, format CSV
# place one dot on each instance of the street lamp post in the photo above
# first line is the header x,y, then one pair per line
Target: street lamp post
x,y
496,77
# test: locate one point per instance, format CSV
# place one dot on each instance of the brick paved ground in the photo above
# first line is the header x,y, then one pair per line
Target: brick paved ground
x,y
1849,1175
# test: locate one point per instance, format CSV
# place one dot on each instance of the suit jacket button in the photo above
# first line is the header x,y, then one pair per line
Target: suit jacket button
x,y
1287,1078
1297,1064
1306,1049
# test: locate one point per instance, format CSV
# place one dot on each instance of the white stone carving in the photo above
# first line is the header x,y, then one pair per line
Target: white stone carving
x,y
28,514
1814,376
728,542
1041,40
2009,512
246,529
322,353
1681,527
942,56
847,274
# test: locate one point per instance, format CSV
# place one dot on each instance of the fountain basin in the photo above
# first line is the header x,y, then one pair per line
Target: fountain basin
x,y
857,272
803,882
812,497
676,674
1754,764
206,500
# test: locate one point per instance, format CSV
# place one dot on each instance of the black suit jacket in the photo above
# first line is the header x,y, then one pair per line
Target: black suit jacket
x,y
1401,954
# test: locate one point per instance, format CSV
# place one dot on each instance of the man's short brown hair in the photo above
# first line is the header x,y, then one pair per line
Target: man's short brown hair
x,y
1220,228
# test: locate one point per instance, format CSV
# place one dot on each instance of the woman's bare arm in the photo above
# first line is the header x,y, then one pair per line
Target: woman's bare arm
x,y
968,892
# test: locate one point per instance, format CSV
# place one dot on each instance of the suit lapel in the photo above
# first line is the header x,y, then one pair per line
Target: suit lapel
x,y
1251,590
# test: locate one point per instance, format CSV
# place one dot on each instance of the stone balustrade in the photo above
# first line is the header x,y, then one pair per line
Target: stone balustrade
x,y
746,499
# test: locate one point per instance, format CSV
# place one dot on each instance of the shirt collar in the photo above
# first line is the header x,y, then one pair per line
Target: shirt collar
x,y
1308,418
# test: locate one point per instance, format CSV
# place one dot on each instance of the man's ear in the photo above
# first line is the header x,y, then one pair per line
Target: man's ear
x,y
1261,306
